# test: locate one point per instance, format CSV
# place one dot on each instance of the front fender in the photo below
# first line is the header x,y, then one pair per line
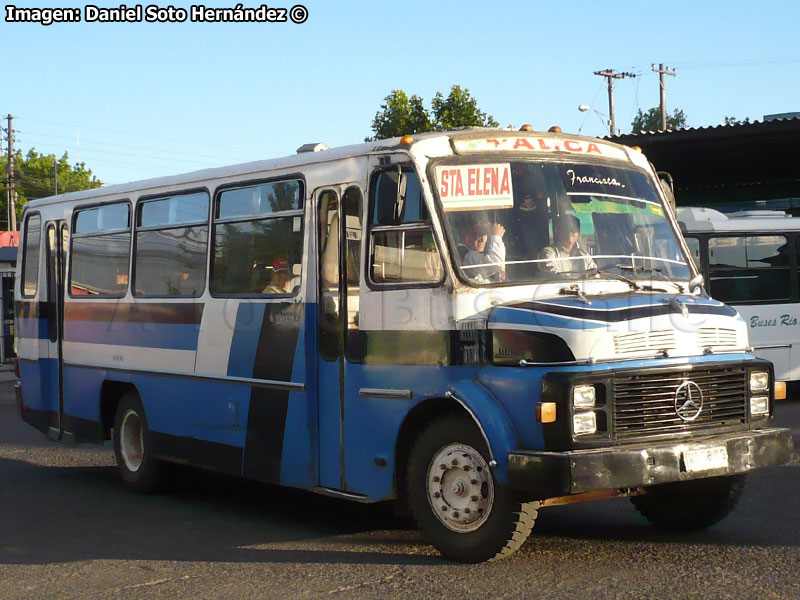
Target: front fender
x,y
493,422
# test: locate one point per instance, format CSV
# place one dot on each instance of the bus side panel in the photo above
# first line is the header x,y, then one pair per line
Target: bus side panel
x,y
372,423
38,373
273,352
298,465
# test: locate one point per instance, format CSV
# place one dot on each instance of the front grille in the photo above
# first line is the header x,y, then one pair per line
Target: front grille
x,y
645,404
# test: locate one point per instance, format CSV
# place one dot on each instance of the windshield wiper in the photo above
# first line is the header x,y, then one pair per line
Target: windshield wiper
x,y
654,271
575,290
634,286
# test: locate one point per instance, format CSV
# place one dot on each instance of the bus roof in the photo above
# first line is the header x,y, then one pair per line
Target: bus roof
x,y
699,219
440,143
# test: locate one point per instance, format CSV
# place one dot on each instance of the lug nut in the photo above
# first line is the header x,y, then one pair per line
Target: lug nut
x,y
455,514
454,462
443,466
436,494
473,481
480,510
466,511
436,479
474,498
467,467
444,508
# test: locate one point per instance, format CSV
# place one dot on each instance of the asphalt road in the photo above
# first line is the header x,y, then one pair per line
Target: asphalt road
x,y
69,530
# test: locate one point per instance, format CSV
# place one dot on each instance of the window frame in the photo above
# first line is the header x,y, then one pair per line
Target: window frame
x,y
24,268
140,202
73,236
412,226
301,212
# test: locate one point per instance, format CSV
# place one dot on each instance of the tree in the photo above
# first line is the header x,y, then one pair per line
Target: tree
x,y
459,109
36,174
735,121
651,120
401,115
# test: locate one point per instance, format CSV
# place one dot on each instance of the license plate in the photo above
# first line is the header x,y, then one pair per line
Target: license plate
x,y
706,459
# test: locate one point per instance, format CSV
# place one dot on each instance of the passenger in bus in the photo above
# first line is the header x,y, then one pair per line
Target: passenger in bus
x,y
566,255
280,282
482,251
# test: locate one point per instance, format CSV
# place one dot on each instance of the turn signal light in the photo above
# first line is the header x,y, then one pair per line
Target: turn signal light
x,y
546,412
780,390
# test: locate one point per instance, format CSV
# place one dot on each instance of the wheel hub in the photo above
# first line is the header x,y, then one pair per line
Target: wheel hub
x,y
460,487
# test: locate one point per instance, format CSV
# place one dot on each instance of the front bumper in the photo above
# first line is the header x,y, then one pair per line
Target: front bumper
x,y
551,474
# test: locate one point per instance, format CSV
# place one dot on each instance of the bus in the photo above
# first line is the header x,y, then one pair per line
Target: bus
x,y
750,261
475,324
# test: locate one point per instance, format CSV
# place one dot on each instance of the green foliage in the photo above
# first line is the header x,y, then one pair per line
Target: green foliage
x,y
401,115
735,121
35,176
650,120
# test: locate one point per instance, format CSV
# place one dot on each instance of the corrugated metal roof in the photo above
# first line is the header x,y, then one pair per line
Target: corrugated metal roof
x,y
723,128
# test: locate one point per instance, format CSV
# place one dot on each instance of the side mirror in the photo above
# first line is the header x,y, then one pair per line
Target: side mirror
x,y
696,283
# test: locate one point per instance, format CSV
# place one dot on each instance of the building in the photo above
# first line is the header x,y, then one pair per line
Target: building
x,y
730,167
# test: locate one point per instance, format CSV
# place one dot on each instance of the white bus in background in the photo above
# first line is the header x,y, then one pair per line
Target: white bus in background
x,y
750,260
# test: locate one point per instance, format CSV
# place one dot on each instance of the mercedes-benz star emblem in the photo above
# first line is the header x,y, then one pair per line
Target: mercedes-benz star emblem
x,y
688,401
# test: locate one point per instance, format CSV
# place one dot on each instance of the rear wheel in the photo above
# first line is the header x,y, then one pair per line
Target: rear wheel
x,y
139,470
456,500
690,505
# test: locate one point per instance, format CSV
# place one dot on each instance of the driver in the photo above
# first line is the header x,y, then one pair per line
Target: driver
x,y
566,255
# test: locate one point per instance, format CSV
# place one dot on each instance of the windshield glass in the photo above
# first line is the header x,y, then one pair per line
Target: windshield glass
x,y
521,222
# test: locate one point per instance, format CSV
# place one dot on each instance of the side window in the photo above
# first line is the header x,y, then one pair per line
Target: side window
x,y
101,246
402,247
258,239
171,242
749,268
30,257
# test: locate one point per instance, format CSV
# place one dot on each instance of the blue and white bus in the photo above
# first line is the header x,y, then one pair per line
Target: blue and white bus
x,y
477,324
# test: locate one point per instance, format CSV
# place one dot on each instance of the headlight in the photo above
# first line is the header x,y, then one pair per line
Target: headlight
x,y
759,381
583,396
584,423
759,406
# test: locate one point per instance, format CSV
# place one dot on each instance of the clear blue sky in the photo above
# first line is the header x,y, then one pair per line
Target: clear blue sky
x,y
142,100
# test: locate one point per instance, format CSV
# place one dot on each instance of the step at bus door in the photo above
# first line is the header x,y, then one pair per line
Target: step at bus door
x,y
57,243
339,212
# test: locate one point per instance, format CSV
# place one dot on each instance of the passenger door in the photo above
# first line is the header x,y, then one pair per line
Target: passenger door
x,y
56,244
339,231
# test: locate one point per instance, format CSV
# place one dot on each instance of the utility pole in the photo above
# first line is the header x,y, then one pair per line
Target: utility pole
x,y
662,84
610,77
11,192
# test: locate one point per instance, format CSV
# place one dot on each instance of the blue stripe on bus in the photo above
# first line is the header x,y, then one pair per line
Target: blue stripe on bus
x,y
148,335
510,316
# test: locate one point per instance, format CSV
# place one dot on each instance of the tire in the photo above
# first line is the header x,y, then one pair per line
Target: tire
x,y
456,500
137,467
690,505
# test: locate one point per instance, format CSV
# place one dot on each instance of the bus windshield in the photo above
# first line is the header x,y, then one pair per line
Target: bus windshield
x,y
535,221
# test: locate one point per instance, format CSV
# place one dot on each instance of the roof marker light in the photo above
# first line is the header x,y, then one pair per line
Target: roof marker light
x,y
407,139
526,127
636,148
554,129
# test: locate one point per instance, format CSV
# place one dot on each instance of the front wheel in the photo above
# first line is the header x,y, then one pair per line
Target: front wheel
x,y
456,500
690,505
137,467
